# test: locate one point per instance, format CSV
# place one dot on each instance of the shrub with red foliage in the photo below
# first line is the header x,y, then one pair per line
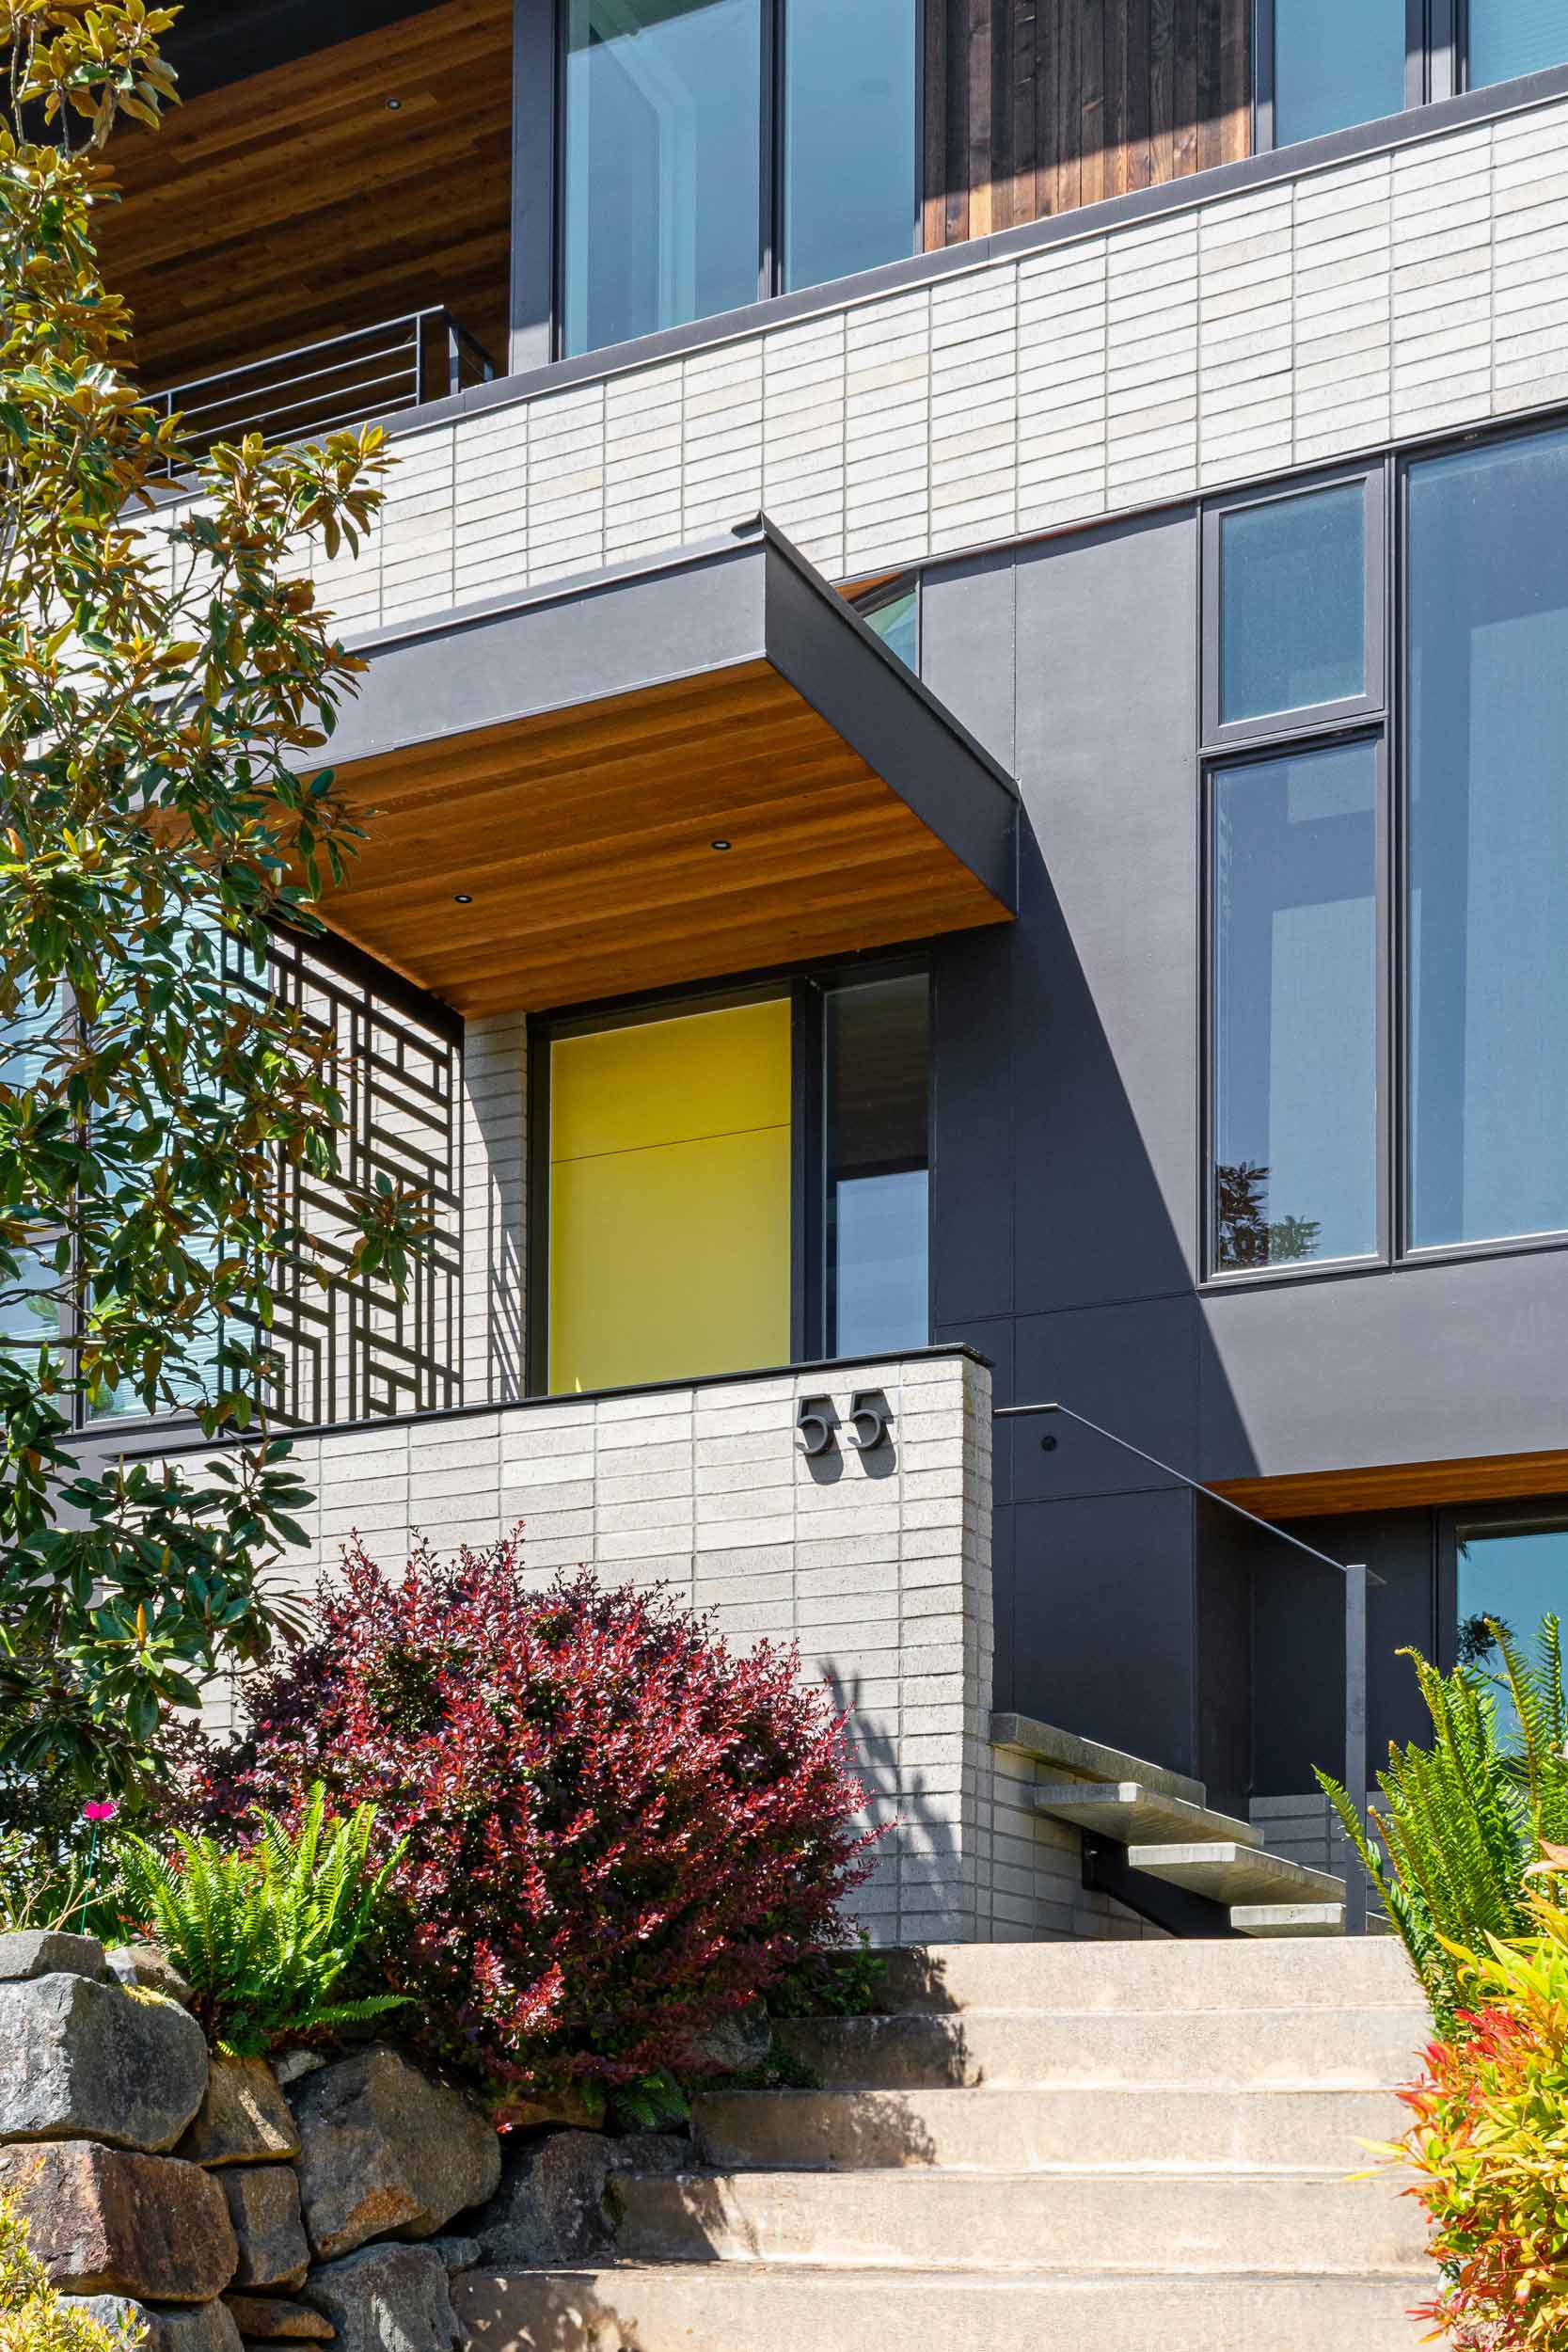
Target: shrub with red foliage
x,y
617,1828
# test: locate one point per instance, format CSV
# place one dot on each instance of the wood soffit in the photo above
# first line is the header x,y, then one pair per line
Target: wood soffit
x,y
1399,1485
298,203
583,841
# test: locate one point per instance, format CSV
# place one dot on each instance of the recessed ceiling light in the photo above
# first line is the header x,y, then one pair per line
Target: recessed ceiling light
x,y
719,845
394,105
464,899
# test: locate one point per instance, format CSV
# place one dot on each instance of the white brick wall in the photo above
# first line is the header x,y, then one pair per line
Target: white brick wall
x,y
1372,301
877,1566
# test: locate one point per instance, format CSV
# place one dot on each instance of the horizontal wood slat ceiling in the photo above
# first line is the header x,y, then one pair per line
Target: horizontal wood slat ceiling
x,y
583,839
297,204
1033,107
1401,1486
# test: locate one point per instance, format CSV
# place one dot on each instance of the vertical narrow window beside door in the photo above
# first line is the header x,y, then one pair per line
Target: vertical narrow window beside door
x,y
849,137
662,166
1294,952
878,1047
1510,37
1509,1577
1336,63
1488,922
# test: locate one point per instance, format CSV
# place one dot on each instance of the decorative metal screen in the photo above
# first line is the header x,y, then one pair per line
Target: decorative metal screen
x,y
353,1350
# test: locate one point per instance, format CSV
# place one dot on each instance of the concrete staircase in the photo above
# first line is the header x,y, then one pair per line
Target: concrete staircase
x,y
1136,2147
1170,1832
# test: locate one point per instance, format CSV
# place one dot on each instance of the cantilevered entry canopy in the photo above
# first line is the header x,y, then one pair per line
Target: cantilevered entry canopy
x,y
701,766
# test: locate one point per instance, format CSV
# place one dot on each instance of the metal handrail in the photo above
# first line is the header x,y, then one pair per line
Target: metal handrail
x,y
1357,1577
362,371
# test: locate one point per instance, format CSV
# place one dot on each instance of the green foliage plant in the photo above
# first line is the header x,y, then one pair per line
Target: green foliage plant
x,y
1463,1819
264,1934
168,688
33,2316
37,1891
1486,2154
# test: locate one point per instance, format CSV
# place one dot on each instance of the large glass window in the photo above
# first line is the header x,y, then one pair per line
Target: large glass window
x,y
1510,37
662,188
1292,617
669,177
1510,1574
849,137
1295,1048
1336,63
876,1059
1488,842
894,613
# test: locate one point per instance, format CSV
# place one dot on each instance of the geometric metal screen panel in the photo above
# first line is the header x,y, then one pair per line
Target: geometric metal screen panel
x,y
354,1350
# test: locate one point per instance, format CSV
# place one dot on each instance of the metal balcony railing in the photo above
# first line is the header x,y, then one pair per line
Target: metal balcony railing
x,y
320,388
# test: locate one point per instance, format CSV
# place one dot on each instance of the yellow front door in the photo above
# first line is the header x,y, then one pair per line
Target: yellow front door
x,y
670,1197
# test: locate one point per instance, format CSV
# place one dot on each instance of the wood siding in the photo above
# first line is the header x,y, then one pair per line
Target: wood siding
x,y
1037,106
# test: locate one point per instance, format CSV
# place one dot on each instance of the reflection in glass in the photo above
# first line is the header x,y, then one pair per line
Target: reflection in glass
x,y
1335,62
1295,1008
1488,842
849,137
1292,603
29,1315
896,622
1510,37
878,1158
662,165
1509,1577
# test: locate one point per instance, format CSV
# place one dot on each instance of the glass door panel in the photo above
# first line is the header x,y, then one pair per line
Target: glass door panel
x,y
1510,1576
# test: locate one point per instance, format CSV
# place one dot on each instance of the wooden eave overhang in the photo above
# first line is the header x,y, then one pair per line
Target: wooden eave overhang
x,y
543,783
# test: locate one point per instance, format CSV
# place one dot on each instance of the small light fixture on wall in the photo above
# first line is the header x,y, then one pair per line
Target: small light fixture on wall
x,y
721,845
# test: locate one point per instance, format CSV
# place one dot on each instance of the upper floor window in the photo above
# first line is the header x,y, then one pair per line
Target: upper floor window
x,y
1326,65
716,152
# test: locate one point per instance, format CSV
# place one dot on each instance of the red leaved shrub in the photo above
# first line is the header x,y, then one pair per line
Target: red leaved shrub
x,y
618,1830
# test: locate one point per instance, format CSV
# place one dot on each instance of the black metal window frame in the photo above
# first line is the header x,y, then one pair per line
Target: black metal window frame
x,y
1437,42
770,103
1389,478
1534,1515
806,992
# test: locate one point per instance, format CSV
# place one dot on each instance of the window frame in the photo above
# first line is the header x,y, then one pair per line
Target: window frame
x,y
1420,85
1304,719
807,990
770,176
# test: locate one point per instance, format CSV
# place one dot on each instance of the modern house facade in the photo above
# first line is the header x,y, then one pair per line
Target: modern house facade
x,y
966,721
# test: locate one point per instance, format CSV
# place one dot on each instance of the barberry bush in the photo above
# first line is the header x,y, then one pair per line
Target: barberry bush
x,y
1488,2147
615,1828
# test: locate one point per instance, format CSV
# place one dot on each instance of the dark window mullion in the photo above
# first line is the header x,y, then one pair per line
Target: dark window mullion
x,y
771,103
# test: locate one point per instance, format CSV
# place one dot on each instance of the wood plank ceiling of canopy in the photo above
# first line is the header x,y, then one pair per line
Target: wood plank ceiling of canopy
x,y
297,203
583,841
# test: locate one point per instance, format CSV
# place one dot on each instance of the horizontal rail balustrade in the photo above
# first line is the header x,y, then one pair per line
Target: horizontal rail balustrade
x,y
342,380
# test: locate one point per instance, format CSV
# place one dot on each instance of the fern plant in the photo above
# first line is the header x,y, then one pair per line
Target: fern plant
x,y
263,1933
1466,1818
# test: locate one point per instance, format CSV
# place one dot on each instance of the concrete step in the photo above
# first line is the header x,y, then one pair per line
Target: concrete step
x,y
1267,1919
1135,1815
1306,2048
1086,1760
1155,1973
1029,2130
742,2307
1230,1873
1312,2223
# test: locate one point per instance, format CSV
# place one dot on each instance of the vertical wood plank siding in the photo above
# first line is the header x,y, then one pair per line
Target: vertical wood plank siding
x,y
1037,106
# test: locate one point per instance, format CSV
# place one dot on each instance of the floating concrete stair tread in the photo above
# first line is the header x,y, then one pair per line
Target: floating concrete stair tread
x,y
1130,2127
925,2219
1087,1759
1352,2048
749,2306
1267,1919
1155,1973
1236,1874
1135,1815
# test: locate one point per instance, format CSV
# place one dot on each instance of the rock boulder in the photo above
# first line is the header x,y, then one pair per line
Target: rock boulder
x,y
85,2059
244,2118
276,2319
149,1966
387,2298
387,2152
104,2221
551,2206
263,2207
49,1952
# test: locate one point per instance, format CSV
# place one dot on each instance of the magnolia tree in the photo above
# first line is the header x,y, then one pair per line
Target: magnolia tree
x,y
165,692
